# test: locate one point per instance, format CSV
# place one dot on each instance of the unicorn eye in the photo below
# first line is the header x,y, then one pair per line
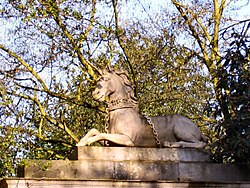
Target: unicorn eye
x,y
99,86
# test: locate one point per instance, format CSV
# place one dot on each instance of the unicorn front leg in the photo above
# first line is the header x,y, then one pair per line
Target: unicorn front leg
x,y
120,139
91,133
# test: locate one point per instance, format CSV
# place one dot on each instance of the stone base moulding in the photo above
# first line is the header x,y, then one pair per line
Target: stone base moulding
x,y
77,183
140,154
137,164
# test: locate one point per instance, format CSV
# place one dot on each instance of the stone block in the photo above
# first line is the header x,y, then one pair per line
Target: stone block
x,y
138,164
213,172
140,154
123,170
68,169
76,183
146,171
137,170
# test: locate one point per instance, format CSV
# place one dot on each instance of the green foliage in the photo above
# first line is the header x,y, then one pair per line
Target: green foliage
x,y
226,56
45,82
9,150
157,73
233,133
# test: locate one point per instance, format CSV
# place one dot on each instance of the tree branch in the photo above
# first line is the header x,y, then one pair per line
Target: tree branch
x,y
201,44
120,41
240,22
204,29
218,10
92,16
73,100
92,70
26,65
45,115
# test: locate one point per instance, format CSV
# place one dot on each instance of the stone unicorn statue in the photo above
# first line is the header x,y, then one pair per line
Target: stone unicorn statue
x,y
128,128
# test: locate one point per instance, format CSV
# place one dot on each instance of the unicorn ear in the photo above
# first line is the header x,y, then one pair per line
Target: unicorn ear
x,y
109,68
124,76
105,71
101,72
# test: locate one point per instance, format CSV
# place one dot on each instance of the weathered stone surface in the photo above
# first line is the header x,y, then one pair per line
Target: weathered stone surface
x,y
126,170
138,170
141,154
213,172
68,169
69,183
172,130
146,171
138,164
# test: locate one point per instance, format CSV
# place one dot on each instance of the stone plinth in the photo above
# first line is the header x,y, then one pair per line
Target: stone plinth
x,y
79,183
137,164
140,154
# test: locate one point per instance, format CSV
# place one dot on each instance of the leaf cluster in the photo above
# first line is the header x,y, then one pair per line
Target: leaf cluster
x,y
233,133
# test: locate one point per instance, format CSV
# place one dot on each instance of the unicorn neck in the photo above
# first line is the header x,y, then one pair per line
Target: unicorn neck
x,y
119,93
121,104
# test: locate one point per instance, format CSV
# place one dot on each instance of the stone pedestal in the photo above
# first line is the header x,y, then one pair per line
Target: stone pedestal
x,y
140,154
78,183
127,167
137,164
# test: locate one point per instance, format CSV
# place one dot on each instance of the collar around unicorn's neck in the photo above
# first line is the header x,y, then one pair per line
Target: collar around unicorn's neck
x,y
122,103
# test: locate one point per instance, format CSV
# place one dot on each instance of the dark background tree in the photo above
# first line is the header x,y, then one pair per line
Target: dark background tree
x,y
225,53
233,133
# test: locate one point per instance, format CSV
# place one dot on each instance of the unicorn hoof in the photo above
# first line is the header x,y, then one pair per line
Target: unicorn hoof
x,y
82,143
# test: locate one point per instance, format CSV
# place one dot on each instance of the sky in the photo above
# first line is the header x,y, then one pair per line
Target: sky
x,y
133,10
136,9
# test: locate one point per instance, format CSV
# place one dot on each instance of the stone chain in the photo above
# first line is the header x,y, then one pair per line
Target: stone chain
x,y
106,125
152,126
106,120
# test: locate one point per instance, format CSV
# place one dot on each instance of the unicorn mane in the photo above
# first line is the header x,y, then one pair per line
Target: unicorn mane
x,y
128,86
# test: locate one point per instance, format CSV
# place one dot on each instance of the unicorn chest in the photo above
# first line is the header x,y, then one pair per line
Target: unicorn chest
x,y
124,121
